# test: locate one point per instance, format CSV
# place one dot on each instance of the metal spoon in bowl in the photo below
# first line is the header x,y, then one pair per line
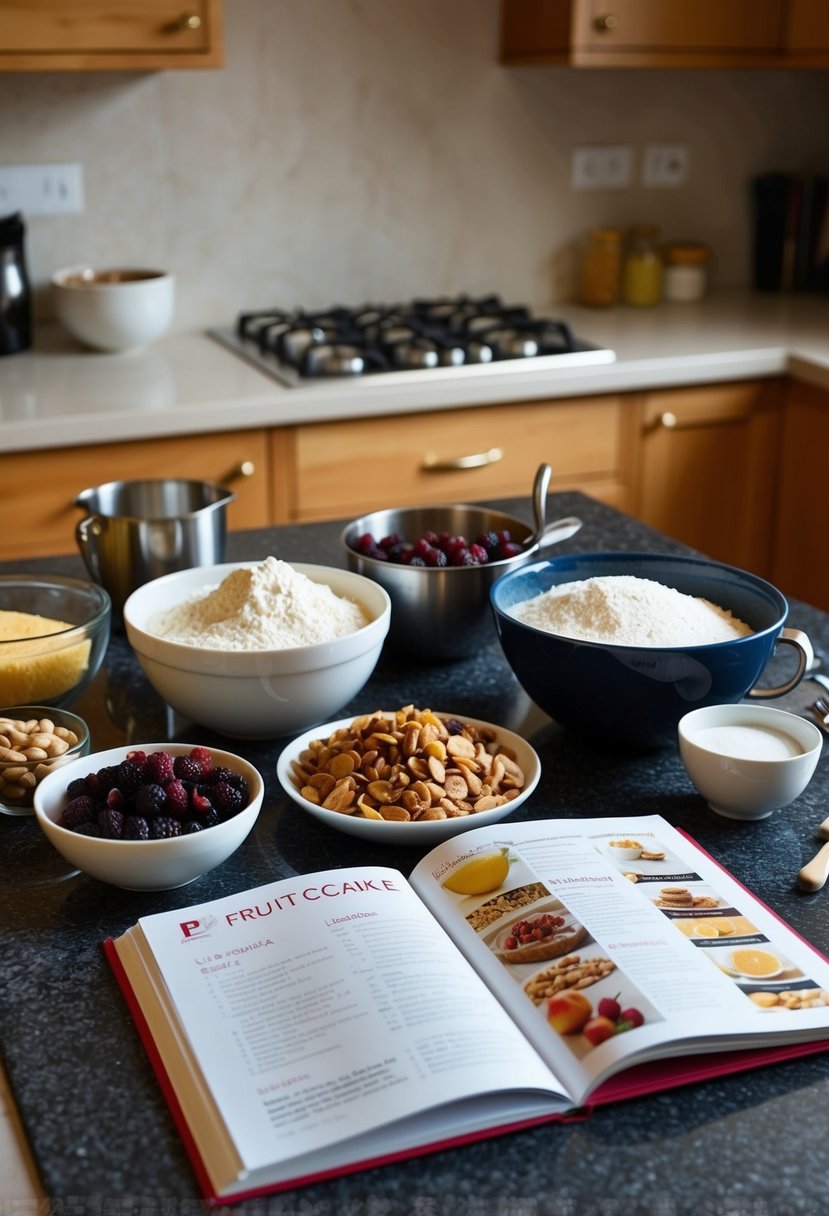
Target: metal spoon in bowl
x,y
814,874
559,529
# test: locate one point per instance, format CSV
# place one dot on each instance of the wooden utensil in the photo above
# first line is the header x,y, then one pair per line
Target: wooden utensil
x,y
814,874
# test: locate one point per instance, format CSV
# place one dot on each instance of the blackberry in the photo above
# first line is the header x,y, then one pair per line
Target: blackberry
x,y
191,825
87,829
77,788
128,777
163,827
237,780
177,802
417,561
226,799
210,818
78,810
107,778
185,768
136,828
158,769
111,823
489,541
149,800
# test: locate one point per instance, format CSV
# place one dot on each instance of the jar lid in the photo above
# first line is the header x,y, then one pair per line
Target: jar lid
x,y
11,229
687,253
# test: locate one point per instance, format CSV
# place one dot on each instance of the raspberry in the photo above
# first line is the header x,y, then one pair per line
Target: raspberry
x,y
204,758
139,759
158,769
187,769
163,827
393,541
150,799
136,828
177,801
480,554
200,804
227,800
436,558
111,823
510,549
78,810
115,800
489,540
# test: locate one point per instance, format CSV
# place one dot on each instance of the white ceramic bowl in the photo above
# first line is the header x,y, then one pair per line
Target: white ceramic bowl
x,y
114,310
748,760
145,865
422,832
256,694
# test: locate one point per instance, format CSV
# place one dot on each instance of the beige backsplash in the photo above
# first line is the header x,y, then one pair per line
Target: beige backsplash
x,y
375,149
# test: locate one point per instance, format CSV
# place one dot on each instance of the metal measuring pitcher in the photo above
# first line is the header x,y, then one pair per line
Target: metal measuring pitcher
x,y
136,531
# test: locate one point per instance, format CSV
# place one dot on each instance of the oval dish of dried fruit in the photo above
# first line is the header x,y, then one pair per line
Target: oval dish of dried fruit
x,y
538,937
169,853
408,775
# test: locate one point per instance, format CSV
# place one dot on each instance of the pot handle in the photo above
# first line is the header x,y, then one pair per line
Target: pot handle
x,y
90,524
801,643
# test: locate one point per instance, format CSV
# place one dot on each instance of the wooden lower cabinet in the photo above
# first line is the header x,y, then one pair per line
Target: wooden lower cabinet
x,y
801,539
42,485
708,462
343,469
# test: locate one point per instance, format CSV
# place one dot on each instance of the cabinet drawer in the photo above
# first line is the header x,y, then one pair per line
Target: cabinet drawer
x,y
105,34
346,468
43,485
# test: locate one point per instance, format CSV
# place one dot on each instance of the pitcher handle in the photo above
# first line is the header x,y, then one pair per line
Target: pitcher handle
x,y
806,657
82,530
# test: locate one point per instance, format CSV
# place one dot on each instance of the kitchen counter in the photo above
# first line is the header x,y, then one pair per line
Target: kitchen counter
x,y
59,394
747,1144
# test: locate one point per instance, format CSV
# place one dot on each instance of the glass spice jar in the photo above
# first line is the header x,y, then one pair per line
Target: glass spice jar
x,y
642,271
601,268
686,271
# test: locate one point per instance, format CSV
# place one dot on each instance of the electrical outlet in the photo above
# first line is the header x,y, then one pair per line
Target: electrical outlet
x,y
608,167
665,165
42,189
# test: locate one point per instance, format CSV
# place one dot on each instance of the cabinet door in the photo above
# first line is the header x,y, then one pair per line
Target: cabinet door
x,y
40,487
807,27
642,33
346,468
801,546
64,35
708,469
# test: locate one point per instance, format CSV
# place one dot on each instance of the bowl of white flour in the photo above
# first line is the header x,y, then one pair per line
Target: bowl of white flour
x,y
258,650
619,646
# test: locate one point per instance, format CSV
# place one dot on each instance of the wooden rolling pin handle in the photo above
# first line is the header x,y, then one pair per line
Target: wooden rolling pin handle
x,y
814,874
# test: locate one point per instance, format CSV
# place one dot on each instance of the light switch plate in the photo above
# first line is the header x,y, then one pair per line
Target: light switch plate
x,y
665,165
42,189
602,167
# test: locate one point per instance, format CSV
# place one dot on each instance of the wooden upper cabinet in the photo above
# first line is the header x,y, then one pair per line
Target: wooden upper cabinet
x,y
666,33
109,35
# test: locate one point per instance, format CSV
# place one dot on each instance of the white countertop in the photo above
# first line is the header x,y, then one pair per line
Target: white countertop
x,y
59,394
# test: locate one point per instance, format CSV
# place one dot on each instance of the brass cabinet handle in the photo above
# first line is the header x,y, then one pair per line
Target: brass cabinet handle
x,y
605,22
188,21
239,472
668,421
477,460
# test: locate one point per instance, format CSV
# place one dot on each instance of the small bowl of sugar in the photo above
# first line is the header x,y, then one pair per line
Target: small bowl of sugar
x,y
748,760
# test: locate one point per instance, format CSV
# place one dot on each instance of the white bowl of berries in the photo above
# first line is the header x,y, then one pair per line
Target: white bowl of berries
x,y
149,817
437,564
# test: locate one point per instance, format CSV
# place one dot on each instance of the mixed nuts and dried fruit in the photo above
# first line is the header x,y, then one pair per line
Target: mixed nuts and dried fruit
x,y
410,765
154,796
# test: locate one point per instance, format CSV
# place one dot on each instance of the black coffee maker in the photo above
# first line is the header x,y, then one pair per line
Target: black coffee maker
x,y
15,293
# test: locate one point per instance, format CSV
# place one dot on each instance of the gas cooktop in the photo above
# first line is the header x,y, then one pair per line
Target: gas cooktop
x,y
456,335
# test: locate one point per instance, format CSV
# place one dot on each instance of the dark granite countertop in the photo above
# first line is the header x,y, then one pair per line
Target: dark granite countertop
x,y
754,1144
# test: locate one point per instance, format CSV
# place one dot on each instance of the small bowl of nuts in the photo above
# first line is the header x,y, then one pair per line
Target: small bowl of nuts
x,y
408,776
35,740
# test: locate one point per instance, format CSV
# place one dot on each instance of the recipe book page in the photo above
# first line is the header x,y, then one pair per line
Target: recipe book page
x,y
614,940
316,1010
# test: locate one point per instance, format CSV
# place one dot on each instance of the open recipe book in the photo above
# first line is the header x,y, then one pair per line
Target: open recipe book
x,y
333,1021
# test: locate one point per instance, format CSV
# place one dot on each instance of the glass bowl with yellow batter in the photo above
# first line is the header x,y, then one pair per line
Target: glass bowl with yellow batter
x,y
54,631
